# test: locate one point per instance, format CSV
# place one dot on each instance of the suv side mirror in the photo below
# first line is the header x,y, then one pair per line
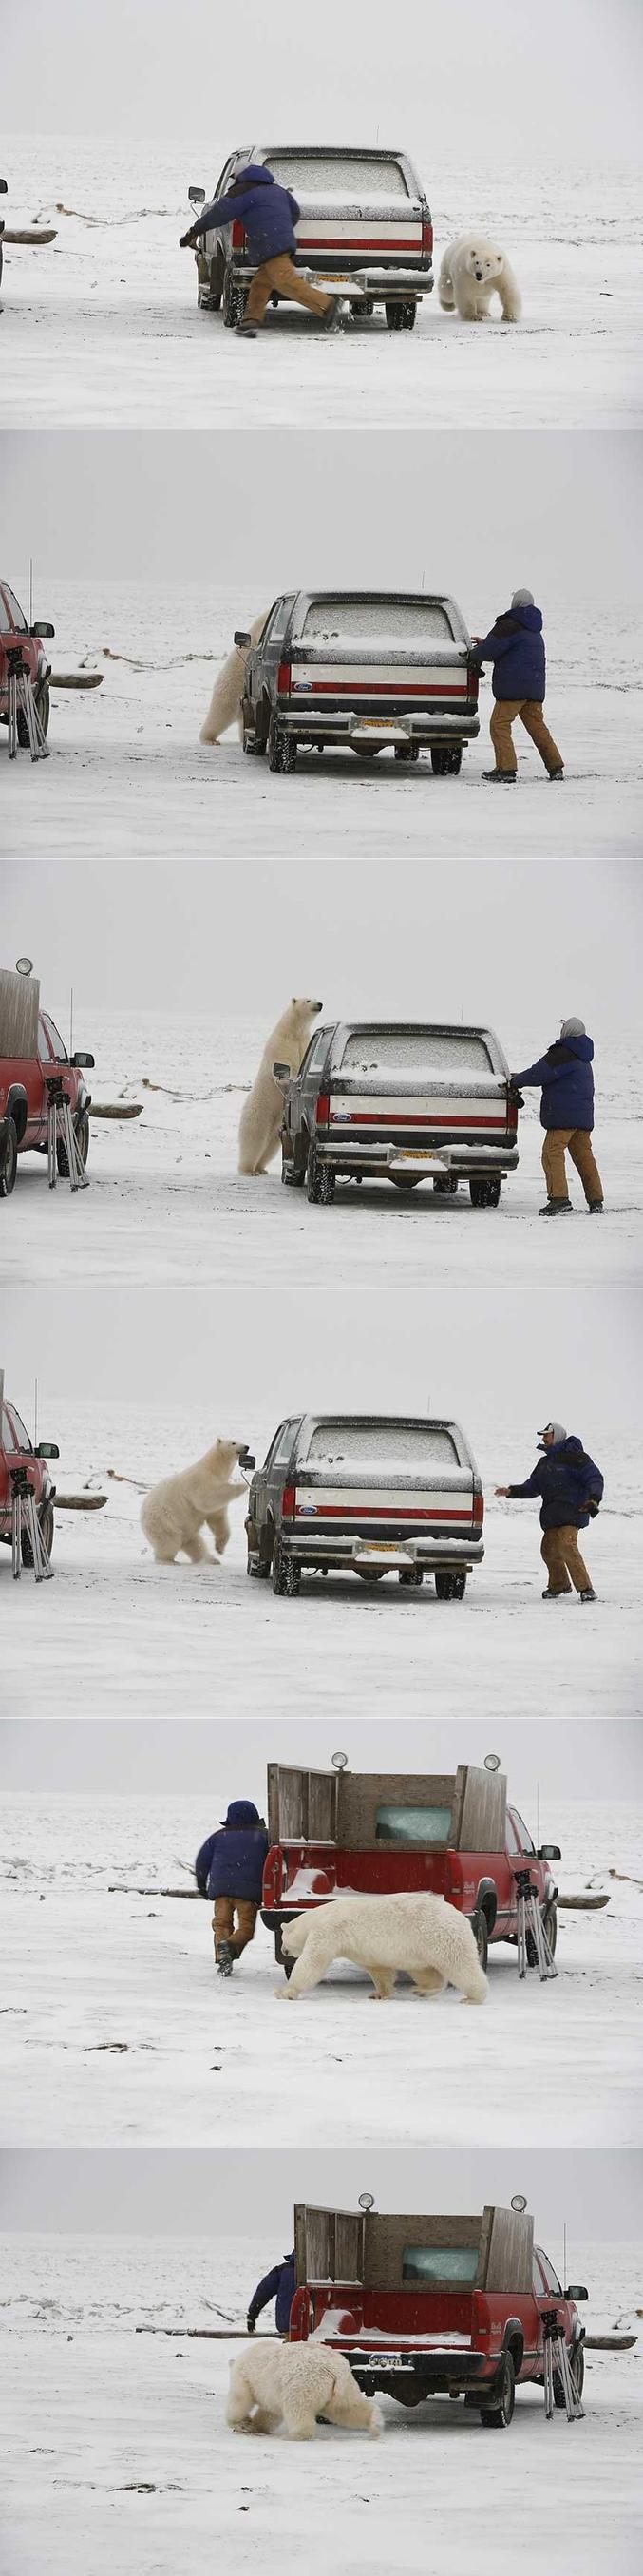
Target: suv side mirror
x,y
281,1073
244,641
247,1460
576,2292
83,1063
47,1449
42,626
549,1851
196,196
3,187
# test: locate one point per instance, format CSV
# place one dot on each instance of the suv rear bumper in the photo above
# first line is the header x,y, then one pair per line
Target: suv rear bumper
x,y
371,278
425,2374
349,724
390,1554
462,1161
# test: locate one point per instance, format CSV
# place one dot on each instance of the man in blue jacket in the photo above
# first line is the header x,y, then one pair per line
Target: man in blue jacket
x,y
567,1115
229,1868
516,647
268,214
570,1488
280,2284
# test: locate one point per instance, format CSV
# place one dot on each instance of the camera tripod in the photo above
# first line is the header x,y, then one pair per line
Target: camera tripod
x,y
61,1133
556,2365
21,700
529,1922
25,1525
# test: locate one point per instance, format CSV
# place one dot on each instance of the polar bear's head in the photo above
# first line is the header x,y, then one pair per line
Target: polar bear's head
x,y
305,1010
225,1455
295,1934
483,263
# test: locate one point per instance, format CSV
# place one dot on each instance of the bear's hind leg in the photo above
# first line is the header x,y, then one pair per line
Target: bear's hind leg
x,y
240,2403
265,2420
194,1548
429,1981
383,1982
300,2427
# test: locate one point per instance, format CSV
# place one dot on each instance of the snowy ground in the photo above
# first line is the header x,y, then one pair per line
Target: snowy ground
x,y
116,2443
127,773
116,1634
103,323
118,2033
167,1201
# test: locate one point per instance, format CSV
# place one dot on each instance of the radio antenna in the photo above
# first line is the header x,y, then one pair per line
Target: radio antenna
x,y
35,1412
71,1020
564,2253
31,590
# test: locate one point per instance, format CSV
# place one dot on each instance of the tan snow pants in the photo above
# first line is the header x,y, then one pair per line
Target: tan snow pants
x,y
223,1922
279,276
531,715
576,1141
562,1556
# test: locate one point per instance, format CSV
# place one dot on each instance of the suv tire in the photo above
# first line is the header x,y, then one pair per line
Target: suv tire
x,y
9,1160
496,2418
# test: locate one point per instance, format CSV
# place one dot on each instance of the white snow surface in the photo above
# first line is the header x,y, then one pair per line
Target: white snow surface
x,y
116,2444
166,1201
103,323
116,2030
128,776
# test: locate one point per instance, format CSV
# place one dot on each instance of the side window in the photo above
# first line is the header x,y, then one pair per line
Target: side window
x,y
316,1053
526,1841
16,612
45,1049
22,1440
55,1040
513,1844
550,2277
284,1446
8,1434
5,620
274,633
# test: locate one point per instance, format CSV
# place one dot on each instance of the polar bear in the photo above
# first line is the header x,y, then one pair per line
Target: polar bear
x,y
174,1513
225,703
262,1112
421,1934
472,271
293,2383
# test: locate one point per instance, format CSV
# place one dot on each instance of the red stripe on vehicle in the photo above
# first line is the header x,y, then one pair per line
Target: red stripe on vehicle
x,y
378,689
354,241
375,1512
387,1118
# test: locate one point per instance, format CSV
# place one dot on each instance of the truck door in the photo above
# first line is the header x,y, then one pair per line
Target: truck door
x,y
548,2293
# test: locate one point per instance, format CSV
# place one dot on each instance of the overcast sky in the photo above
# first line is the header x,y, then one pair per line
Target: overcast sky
x,y
541,1356
231,941
559,513
460,79
168,2192
117,1757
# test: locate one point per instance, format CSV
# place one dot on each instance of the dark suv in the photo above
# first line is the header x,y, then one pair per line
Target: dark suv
x,y
370,1495
365,671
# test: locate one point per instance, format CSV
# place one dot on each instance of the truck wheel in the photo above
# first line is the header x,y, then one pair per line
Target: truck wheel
x,y
394,316
326,1185
81,1132
286,1575
480,1930
233,300
9,1160
497,2417
411,1577
576,2361
450,1584
291,1178
275,745
46,1524
313,1178
446,1185
485,1193
446,759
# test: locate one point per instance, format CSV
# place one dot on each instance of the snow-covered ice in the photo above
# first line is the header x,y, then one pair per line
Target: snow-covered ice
x,y
103,323
117,2031
128,776
167,1203
116,2446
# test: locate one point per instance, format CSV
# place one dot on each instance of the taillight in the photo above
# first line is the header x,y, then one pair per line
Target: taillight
x,y
512,1111
283,680
322,1111
473,679
237,235
427,234
288,1503
478,1510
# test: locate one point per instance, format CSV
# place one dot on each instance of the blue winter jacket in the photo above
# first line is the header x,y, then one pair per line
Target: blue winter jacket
x,y
268,213
231,1862
568,1083
280,2285
567,1481
516,647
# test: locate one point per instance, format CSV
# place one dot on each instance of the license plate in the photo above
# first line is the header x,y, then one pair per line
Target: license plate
x,y
416,1154
337,277
380,724
381,1547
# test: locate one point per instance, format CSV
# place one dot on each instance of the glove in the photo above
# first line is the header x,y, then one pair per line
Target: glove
x,y
515,1094
187,241
593,1507
251,2323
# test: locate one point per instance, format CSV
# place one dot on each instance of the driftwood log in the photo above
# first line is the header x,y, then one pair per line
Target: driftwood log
x,y
116,1109
118,1890
213,2334
80,1502
582,1904
609,2343
27,234
77,679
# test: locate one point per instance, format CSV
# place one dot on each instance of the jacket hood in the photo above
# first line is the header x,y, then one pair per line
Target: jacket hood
x,y
530,619
254,175
581,1048
242,1817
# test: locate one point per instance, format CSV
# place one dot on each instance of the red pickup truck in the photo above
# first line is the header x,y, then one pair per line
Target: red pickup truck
x,y
449,1834
18,637
17,1451
430,2306
31,1053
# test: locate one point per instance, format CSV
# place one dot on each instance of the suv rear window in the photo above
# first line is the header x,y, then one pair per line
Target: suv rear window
x,y
391,621
339,175
425,1825
379,1445
422,1052
456,2263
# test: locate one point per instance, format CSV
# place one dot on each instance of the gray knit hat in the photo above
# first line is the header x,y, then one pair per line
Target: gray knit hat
x,y
573,1029
558,1430
523,599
